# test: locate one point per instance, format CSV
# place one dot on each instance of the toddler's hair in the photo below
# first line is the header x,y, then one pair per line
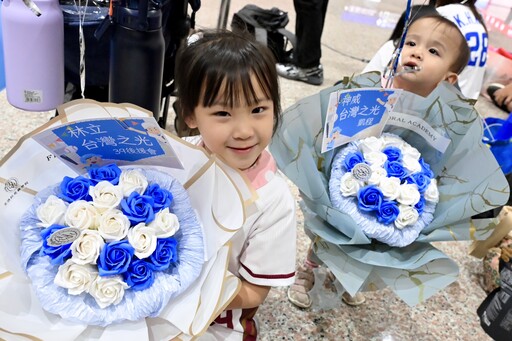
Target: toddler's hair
x,y
464,53
217,68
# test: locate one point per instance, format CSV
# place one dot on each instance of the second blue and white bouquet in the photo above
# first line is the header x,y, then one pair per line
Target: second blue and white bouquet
x,y
109,246
355,227
386,186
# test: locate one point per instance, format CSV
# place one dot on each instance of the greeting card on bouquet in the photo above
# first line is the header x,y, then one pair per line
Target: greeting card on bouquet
x,y
356,113
92,143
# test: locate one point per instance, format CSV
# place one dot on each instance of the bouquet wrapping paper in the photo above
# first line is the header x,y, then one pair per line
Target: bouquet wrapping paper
x,y
30,168
469,181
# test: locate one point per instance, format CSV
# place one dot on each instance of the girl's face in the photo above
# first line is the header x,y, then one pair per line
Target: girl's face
x,y
237,134
433,47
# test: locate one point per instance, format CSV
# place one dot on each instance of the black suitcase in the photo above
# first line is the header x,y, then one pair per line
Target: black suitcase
x,y
176,24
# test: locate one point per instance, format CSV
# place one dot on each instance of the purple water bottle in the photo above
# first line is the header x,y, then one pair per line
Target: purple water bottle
x,y
33,37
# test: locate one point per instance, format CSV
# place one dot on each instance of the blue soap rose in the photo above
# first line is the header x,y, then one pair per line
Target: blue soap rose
x,y
140,275
369,198
57,254
353,159
138,208
73,189
161,196
388,211
420,205
395,169
108,173
421,180
165,253
115,258
426,168
393,153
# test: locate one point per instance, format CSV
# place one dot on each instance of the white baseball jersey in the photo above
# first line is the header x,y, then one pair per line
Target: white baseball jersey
x,y
472,77
263,251
381,59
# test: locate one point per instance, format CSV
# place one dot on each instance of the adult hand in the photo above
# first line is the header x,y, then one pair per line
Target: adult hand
x,y
503,97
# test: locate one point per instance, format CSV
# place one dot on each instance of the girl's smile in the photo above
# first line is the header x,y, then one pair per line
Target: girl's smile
x,y
237,134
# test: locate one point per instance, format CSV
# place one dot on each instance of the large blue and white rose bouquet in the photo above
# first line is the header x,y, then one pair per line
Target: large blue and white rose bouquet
x,y
361,251
170,289
113,236
386,186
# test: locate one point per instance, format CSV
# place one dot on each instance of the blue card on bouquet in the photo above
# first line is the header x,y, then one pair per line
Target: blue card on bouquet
x,y
93,143
356,113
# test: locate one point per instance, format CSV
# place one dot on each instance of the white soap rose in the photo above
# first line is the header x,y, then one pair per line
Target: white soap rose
x,y
87,247
82,214
77,278
349,186
378,173
408,150
105,195
393,141
165,225
432,192
108,290
51,212
143,240
411,164
375,158
371,144
132,181
390,187
409,194
113,225
407,216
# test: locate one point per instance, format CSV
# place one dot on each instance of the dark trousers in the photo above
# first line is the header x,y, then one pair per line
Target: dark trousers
x,y
309,24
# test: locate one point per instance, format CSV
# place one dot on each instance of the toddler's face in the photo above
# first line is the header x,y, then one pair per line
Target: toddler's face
x,y
238,134
433,48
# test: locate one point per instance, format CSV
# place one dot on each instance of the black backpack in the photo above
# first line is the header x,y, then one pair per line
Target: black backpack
x,y
268,27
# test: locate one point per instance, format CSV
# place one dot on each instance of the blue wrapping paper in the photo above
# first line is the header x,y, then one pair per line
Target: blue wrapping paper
x,y
469,181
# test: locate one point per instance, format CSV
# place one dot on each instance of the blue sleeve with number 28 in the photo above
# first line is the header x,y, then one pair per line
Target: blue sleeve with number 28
x,y
478,47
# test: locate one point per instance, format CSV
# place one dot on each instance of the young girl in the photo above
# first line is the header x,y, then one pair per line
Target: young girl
x,y
228,91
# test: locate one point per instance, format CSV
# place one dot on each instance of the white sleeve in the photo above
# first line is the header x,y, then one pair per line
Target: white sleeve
x,y
381,59
472,77
269,255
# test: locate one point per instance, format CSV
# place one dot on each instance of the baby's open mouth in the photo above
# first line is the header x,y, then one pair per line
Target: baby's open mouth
x,y
411,67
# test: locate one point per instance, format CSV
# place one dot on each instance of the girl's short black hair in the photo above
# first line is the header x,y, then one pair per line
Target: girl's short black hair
x,y
224,62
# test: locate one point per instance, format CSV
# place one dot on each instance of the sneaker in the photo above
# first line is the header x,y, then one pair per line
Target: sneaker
x,y
298,293
314,75
355,300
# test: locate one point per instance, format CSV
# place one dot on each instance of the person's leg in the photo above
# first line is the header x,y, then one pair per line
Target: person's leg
x,y
309,25
298,293
306,67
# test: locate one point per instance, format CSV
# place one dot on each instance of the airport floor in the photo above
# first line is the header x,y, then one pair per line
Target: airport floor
x,y
353,32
